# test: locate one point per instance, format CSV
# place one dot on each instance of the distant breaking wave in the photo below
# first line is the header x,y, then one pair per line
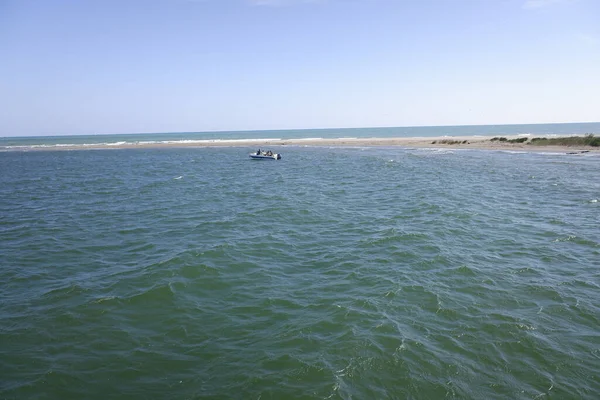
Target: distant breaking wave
x,y
232,142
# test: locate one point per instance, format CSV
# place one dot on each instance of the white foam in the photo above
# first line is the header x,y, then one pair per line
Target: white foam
x,y
232,142
432,151
208,141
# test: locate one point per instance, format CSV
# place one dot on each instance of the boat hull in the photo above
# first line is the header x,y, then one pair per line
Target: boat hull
x,y
275,156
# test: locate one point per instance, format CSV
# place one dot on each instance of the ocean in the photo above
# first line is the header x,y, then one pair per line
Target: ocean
x,y
233,138
334,273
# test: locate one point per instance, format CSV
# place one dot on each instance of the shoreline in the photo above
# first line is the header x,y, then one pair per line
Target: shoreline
x,y
464,142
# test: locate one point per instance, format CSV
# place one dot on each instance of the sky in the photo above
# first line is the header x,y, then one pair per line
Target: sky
x,y
136,66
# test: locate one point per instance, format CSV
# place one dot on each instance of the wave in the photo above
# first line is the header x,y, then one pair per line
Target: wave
x,y
232,142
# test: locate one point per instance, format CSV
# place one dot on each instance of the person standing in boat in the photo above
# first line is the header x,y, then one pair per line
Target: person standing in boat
x,y
258,152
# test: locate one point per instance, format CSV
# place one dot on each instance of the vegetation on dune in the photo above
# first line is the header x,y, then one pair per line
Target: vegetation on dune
x,y
503,139
587,140
449,141
518,140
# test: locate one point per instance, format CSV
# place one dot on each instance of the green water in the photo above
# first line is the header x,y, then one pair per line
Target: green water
x,y
340,273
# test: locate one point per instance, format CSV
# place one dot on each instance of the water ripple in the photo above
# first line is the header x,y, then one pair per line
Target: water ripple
x,y
336,273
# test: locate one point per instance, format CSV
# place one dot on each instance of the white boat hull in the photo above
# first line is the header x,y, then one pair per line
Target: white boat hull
x,y
255,156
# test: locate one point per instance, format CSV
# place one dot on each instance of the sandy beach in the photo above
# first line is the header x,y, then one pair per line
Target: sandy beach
x,y
447,142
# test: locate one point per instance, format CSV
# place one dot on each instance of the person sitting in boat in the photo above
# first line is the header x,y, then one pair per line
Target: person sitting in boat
x,y
269,153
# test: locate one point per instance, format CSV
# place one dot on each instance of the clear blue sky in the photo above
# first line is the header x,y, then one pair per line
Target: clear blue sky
x,y
120,66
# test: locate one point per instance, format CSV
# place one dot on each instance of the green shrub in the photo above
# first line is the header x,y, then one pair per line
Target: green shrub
x,y
587,140
518,140
537,139
449,141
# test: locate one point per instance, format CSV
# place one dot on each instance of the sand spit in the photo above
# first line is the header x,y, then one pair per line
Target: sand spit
x,y
446,142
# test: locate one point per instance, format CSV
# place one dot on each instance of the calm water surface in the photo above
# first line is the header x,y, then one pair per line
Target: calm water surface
x,y
340,273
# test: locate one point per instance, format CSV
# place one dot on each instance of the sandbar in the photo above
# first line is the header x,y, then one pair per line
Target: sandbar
x,y
457,142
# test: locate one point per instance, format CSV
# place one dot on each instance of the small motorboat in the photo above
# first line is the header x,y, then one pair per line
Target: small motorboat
x,y
265,155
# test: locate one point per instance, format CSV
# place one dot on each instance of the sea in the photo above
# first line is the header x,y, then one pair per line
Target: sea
x,y
333,273
233,138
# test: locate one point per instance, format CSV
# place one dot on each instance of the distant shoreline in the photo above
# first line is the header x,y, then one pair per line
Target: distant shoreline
x,y
449,142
